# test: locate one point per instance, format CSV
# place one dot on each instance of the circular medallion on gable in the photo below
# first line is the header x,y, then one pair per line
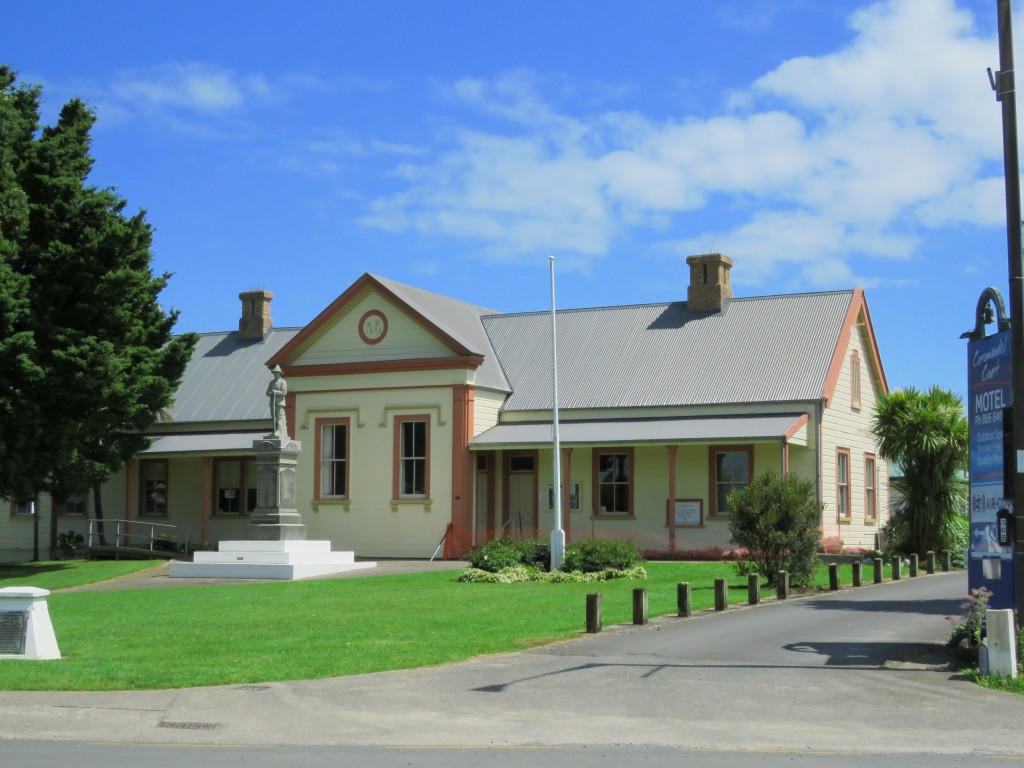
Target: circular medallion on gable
x,y
373,326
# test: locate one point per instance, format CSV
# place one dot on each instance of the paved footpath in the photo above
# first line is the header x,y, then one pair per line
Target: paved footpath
x,y
855,671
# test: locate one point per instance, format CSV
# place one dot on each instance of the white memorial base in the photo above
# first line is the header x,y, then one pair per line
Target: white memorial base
x,y
29,619
286,560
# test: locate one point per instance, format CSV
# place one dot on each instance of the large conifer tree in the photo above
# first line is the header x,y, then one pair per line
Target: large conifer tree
x,y
87,355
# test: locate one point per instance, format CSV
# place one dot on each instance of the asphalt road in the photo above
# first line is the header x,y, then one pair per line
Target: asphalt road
x,y
47,755
854,678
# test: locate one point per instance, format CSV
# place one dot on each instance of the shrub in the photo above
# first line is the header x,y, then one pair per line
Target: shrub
x,y
588,556
776,520
68,542
958,536
518,574
512,575
968,627
495,555
507,552
894,537
592,555
832,545
533,552
707,554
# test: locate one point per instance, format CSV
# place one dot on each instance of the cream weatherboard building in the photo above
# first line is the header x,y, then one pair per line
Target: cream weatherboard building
x,y
425,419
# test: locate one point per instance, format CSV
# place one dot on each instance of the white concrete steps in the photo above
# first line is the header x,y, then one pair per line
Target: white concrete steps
x,y
284,560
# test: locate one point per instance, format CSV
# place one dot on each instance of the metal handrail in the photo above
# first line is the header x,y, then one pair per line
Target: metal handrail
x,y
143,534
517,518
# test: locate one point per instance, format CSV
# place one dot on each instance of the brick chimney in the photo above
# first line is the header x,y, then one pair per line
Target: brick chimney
x,y
255,322
709,282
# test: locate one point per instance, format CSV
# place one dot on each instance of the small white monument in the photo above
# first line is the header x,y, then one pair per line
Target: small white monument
x,y
1001,643
278,548
26,631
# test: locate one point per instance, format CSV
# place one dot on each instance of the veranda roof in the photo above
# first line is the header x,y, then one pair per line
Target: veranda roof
x,y
204,442
628,431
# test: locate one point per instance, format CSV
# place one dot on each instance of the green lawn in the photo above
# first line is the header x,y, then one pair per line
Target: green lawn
x,y
62,574
169,638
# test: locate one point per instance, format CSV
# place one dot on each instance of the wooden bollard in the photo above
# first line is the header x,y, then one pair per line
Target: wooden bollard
x,y
753,588
639,605
594,613
782,585
929,562
879,568
684,603
945,560
855,567
896,568
721,594
833,576
913,565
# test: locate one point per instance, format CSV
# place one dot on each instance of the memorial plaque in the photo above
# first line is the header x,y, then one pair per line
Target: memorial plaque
x,y
688,512
13,626
288,488
266,488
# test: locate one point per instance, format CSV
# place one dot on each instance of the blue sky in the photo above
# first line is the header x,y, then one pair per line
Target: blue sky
x,y
454,145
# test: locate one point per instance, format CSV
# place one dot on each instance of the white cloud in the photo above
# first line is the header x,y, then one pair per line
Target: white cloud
x,y
822,162
201,99
192,86
913,62
329,154
511,195
980,201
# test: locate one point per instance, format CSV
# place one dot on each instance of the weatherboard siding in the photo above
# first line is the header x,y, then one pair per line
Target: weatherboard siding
x,y
486,409
340,342
18,533
847,427
368,521
648,525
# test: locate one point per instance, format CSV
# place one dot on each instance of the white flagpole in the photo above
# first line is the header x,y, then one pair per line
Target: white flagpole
x,y
557,534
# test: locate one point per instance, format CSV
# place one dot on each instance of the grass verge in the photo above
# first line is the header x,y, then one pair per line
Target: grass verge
x,y
219,635
1006,684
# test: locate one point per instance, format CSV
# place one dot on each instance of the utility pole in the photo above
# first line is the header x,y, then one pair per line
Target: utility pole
x,y
1004,84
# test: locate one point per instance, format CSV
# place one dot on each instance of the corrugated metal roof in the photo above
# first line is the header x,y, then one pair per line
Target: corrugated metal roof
x,y
207,442
459,320
610,431
226,379
757,350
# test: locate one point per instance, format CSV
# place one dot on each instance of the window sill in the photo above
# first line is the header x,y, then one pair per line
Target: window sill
x,y
607,516
871,521
845,520
345,505
411,501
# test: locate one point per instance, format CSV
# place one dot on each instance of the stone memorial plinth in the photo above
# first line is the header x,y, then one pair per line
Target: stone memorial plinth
x,y
26,631
275,517
277,547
